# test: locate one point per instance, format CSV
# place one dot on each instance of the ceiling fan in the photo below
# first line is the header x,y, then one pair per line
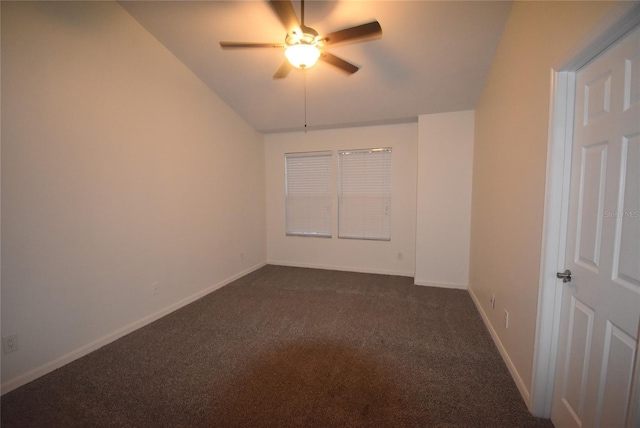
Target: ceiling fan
x,y
303,46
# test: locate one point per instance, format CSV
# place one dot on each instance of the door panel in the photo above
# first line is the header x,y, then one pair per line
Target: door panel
x,y
593,165
615,380
627,245
577,358
597,97
632,81
601,305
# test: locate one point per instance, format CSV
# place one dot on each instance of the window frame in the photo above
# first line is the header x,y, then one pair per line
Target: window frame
x,y
386,224
328,220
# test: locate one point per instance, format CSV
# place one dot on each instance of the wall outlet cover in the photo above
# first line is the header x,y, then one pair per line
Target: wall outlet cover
x,y
10,343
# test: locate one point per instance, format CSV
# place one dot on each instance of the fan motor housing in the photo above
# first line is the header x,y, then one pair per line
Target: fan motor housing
x,y
306,35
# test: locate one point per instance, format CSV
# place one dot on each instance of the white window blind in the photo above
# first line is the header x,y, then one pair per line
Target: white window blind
x,y
364,194
308,194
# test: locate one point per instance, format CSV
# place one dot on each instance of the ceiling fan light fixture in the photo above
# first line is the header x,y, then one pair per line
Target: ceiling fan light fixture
x,y
302,55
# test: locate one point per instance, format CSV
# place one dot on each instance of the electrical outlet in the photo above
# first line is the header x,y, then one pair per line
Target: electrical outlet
x,y
10,343
493,301
506,319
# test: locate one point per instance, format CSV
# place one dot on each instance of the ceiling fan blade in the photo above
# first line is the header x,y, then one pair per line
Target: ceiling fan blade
x,y
363,31
283,71
286,14
343,65
233,45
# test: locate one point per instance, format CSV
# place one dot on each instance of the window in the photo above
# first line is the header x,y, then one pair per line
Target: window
x,y
308,194
364,194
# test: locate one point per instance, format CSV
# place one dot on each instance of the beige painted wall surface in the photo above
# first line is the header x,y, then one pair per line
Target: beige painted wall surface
x,y
346,254
511,129
445,159
120,169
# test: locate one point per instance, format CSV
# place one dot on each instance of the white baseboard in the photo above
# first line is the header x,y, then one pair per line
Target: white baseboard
x,y
32,375
503,352
339,268
440,284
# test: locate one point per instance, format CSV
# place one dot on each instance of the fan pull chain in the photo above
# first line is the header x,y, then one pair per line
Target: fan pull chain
x,y
304,89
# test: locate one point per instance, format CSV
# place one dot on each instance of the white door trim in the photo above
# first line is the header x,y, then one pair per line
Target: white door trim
x,y
621,20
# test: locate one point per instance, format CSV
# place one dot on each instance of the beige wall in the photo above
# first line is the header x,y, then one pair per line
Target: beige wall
x,y
512,119
120,169
445,158
346,254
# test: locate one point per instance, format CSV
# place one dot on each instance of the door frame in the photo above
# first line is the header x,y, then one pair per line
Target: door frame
x,y
624,17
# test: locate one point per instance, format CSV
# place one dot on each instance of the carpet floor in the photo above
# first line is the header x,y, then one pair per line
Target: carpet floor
x,y
290,347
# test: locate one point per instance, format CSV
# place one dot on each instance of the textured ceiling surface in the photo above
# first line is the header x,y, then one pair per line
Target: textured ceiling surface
x,y
433,57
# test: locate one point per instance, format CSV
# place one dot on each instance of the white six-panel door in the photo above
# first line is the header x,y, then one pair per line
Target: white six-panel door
x,y
601,304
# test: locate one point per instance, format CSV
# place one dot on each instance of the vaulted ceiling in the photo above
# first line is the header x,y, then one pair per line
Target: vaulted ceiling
x,y
433,57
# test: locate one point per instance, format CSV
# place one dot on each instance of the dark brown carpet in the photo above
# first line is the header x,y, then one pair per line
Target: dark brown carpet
x,y
290,347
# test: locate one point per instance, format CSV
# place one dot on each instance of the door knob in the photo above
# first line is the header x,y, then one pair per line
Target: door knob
x,y
565,276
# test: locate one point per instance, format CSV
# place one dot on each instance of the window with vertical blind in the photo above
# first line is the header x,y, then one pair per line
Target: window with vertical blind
x,y
308,193
364,194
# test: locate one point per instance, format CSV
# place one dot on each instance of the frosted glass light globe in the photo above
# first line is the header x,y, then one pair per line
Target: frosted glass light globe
x,y
302,55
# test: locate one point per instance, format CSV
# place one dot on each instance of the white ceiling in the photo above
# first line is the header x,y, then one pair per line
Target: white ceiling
x,y
433,57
